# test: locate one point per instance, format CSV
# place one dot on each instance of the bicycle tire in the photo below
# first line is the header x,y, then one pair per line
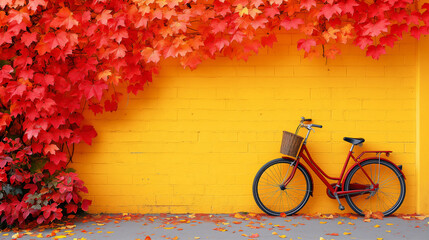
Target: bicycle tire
x,y
269,179
390,194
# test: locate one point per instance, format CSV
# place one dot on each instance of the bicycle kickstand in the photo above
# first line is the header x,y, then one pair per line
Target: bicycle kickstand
x,y
341,207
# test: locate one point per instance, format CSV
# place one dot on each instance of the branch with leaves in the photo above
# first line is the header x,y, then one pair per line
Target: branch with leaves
x,y
58,57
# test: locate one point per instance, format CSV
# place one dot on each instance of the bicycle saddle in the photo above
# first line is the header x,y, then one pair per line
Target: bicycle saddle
x,y
354,141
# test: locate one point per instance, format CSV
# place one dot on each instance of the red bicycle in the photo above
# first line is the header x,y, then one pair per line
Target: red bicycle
x,y
284,185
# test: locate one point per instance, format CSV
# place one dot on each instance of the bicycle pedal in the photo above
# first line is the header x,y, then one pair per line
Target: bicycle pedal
x,y
341,207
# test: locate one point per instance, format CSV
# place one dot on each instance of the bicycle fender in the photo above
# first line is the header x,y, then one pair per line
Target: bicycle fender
x,y
366,159
305,168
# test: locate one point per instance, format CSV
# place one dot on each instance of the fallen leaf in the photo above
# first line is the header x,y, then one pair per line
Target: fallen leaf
x,y
347,233
321,238
367,220
282,236
147,238
340,223
255,235
388,231
379,238
333,234
377,215
350,223
322,222
390,224
421,217
274,233
282,214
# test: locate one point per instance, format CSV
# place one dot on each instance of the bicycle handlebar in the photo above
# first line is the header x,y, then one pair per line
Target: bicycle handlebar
x,y
315,125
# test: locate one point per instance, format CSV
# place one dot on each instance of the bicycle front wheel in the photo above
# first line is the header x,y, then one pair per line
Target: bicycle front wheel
x,y
389,195
271,197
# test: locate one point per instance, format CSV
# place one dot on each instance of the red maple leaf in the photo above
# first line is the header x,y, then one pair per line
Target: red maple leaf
x,y
110,106
94,89
104,17
5,72
329,10
64,18
348,6
374,29
375,51
307,4
34,4
306,44
85,204
192,60
413,18
218,25
288,23
259,22
268,40
417,31
399,16
51,148
399,29
271,12
58,158
388,40
27,38
86,133
53,40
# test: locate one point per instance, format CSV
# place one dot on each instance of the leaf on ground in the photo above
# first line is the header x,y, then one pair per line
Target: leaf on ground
x,y
377,215
255,235
282,236
322,222
377,226
421,217
347,233
333,234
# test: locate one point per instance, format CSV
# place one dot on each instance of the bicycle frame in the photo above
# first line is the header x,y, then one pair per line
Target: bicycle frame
x,y
305,154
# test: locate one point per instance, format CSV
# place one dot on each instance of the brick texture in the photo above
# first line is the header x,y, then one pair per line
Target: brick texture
x,y
193,141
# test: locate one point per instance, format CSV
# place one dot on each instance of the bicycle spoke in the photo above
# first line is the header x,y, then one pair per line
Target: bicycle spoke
x,y
387,197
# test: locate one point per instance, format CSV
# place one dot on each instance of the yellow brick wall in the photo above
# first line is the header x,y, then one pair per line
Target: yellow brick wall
x,y
193,141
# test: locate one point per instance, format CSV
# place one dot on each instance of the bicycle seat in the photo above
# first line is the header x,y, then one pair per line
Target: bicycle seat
x,y
354,141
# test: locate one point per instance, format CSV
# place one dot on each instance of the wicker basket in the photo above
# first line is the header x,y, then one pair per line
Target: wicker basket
x,y
291,144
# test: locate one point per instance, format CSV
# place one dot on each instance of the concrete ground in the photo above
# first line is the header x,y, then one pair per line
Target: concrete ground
x,y
234,226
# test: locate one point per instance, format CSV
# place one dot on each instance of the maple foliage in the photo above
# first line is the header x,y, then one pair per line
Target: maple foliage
x,y
58,58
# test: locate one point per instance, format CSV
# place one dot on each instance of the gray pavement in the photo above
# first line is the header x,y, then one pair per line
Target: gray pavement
x,y
233,226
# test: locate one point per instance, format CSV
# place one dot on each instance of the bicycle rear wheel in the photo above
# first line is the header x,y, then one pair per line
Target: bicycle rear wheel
x,y
269,194
390,194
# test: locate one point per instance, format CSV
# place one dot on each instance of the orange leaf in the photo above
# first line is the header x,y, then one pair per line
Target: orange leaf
x,y
333,234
